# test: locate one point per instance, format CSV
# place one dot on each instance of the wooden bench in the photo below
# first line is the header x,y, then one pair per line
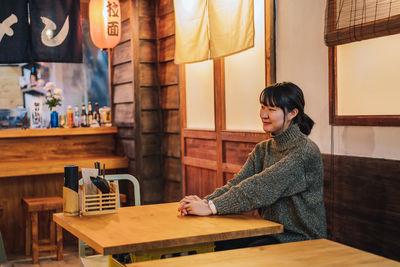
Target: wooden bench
x,y
320,252
32,206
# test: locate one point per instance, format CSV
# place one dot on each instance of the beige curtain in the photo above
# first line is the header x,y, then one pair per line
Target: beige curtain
x,y
209,29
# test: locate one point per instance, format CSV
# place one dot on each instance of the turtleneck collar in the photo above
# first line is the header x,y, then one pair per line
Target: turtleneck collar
x,y
288,138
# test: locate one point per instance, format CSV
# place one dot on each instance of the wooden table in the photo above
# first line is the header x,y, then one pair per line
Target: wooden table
x,y
159,226
320,252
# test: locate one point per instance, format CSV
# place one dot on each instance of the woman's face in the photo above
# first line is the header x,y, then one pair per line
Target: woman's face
x,y
273,119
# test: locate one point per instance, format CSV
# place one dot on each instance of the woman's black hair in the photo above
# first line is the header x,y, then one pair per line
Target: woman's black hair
x,y
288,96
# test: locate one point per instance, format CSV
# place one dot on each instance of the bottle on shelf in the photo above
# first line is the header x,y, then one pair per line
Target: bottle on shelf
x,y
61,121
97,113
90,114
76,117
53,118
70,117
84,117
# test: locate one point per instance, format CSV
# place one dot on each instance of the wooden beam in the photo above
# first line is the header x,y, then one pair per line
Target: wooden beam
x,y
231,168
200,163
183,123
248,136
270,68
201,134
220,114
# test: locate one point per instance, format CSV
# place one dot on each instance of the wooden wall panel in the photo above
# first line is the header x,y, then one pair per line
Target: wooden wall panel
x,y
123,93
169,101
151,167
200,148
126,34
126,133
172,169
165,6
148,133
132,168
56,147
123,73
227,176
199,181
122,54
362,202
148,75
172,191
151,144
167,25
147,28
236,152
172,145
170,97
167,48
150,122
168,73
125,9
129,148
147,51
124,115
171,121
147,8
149,98
154,191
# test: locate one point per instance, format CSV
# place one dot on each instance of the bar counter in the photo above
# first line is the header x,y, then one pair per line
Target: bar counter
x,y
20,133
32,165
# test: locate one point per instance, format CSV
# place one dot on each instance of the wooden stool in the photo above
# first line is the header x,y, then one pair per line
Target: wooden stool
x,y
31,208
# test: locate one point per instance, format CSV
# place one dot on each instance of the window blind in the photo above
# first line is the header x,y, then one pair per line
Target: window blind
x,y
348,21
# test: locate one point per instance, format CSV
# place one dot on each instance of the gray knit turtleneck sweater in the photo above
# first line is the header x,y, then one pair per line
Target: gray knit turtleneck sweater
x,y
283,176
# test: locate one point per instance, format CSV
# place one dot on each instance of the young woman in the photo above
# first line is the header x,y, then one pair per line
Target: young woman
x,y
282,177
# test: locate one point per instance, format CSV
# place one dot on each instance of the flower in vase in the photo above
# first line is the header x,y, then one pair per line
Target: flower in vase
x,y
53,95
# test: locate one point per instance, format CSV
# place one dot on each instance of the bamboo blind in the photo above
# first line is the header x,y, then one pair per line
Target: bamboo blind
x,y
348,21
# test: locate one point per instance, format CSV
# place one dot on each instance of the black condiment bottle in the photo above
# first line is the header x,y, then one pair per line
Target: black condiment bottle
x,y
70,191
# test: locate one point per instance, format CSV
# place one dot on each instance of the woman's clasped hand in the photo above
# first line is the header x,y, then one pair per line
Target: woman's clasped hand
x,y
193,205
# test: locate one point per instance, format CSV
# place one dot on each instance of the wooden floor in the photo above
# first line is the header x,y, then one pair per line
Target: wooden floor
x,y
70,259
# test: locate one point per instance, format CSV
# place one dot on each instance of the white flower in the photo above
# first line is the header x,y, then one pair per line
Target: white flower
x,y
58,91
57,97
50,85
48,93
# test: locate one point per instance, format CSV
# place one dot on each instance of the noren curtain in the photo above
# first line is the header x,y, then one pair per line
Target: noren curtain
x,y
348,21
209,29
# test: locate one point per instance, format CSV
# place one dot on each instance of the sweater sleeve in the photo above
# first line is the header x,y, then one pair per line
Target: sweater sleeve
x,y
248,169
282,179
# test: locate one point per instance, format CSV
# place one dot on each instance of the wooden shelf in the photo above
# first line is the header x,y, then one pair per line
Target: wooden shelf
x,y
24,168
24,133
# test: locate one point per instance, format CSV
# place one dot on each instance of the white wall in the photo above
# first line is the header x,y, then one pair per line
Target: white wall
x,y
245,79
368,77
200,95
302,58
